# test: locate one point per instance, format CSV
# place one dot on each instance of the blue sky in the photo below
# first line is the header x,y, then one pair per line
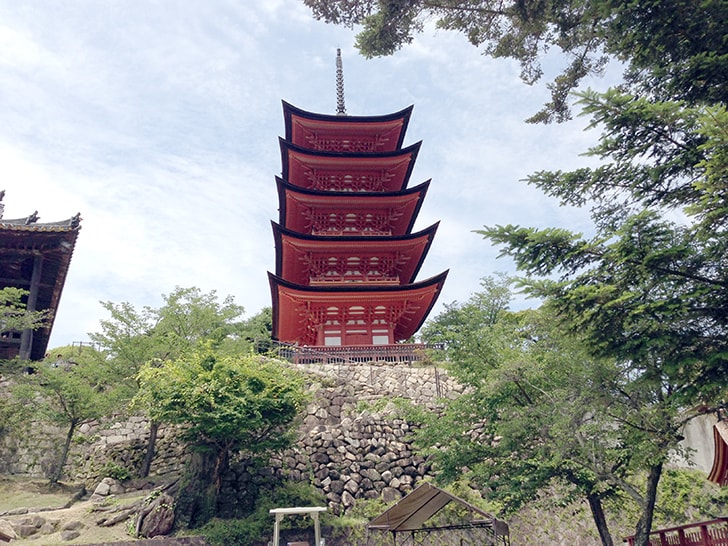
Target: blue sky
x,y
159,121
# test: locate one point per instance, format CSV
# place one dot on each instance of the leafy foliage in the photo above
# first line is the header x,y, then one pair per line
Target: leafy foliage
x,y
69,388
672,48
233,402
14,316
257,525
189,319
224,404
649,288
541,408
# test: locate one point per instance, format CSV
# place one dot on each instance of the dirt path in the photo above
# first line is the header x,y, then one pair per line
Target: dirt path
x,y
35,508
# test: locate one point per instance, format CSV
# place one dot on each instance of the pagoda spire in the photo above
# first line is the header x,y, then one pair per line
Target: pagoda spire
x,y
340,106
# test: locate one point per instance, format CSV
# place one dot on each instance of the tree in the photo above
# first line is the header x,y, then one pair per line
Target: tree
x,y
672,48
258,330
225,404
188,319
650,287
69,388
14,316
461,328
525,419
540,408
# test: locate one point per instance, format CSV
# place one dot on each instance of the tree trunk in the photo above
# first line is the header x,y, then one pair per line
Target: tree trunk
x,y
595,504
149,455
57,472
644,525
198,497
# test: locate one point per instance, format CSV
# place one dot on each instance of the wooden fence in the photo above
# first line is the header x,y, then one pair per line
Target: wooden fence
x,y
705,533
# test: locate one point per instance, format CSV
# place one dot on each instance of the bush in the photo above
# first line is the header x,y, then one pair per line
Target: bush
x,y
259,523
116,471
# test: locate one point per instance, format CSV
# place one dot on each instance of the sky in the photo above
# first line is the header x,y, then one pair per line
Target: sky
x,y
158,121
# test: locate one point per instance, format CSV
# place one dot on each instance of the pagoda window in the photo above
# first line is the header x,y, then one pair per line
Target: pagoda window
x,y
332,334
381,336
350,223
352,265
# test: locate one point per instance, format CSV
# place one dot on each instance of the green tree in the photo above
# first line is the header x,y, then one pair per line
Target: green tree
x,y
258,330
528,416
671,48
67,389
188,318
649,288
541,407
460,328
14,316
226,404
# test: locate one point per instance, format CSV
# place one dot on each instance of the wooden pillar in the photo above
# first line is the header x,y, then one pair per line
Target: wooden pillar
x,y
26,338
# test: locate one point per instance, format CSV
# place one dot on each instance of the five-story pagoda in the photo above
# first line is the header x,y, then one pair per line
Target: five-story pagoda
x,y
346,256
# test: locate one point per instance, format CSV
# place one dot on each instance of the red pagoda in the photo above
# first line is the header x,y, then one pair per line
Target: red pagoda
x,y
346,255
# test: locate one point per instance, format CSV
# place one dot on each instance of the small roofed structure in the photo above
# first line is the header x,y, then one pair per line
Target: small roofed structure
x,y
35,256
312,511
407,521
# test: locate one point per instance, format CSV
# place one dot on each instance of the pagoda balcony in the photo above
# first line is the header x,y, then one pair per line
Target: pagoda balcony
x,y
324,354
347,232
346,279
705,533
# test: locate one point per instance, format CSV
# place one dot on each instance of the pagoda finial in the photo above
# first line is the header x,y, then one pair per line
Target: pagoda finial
x,y
340,107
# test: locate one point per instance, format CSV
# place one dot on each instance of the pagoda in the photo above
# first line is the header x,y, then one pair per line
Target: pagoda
x,y
346,254
34,256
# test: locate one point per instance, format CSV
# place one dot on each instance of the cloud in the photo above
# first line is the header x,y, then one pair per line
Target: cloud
x,y
159,123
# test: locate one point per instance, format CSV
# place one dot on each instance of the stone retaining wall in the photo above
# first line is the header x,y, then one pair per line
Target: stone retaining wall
x,y
351,442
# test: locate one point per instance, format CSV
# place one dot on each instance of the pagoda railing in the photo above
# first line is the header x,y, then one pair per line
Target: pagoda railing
x,y
705,533
320,354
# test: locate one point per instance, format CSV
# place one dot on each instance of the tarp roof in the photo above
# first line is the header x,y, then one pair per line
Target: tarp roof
x,y
411,513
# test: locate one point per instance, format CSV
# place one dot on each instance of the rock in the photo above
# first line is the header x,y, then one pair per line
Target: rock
x,y
47,528
24,531
72,525
102,490
389,494
6,530
159,520
69,535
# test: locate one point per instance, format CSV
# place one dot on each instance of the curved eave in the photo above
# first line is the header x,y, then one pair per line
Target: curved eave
x,y
293,301
291,198
719,471
399,164
394,124
54,243
27,225
292,247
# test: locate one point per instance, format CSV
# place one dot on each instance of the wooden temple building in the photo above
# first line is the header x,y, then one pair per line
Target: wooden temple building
x,y
35,257
346,254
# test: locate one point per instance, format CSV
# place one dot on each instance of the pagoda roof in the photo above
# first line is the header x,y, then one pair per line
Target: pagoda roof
x,y
21,241
296,251
300,207
297,309
353,172
343,133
